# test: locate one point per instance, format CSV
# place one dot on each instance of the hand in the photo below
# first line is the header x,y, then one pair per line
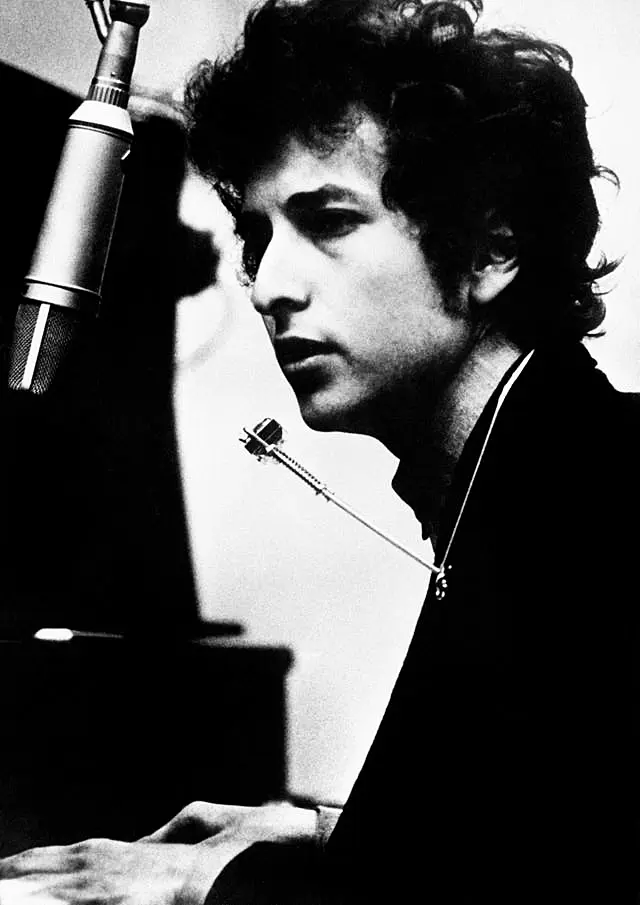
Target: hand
x,y
165,868
104,872
214,823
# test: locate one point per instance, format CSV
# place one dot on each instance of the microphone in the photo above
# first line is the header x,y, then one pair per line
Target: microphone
x,y
64,284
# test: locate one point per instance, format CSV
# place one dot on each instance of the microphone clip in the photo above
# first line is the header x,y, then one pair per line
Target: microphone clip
x,y
135,12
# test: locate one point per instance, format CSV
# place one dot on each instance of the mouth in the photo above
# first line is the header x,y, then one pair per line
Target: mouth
x,y
294,353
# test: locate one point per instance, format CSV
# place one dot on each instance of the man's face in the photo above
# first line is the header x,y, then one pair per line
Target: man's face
x,y
361,329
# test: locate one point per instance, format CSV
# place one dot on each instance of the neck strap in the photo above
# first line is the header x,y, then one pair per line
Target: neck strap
x,y
441,576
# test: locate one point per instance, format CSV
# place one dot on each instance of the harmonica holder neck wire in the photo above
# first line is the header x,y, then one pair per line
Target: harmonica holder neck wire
x,y
262,447
274,450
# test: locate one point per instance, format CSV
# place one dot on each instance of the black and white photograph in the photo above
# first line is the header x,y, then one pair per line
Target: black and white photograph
x,y
320,460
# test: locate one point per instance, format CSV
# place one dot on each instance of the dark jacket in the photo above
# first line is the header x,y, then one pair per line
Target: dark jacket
x,y
505,767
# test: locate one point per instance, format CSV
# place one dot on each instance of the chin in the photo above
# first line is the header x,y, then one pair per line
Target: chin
x,y
325,415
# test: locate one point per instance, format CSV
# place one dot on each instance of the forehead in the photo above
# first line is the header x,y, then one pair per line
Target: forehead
x,y
353,168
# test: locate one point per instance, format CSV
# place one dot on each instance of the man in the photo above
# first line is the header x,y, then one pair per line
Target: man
x,y
415,202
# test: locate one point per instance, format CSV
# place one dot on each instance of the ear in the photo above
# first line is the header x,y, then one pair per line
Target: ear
x,y
496,263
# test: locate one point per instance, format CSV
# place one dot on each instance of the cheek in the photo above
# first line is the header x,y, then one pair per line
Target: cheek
x,y
399,293
401,325
382,295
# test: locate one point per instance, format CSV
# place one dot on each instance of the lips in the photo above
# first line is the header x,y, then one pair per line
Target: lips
x,y
292,352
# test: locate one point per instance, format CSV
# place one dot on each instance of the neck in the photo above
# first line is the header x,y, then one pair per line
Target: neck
x,y
435,442
468,393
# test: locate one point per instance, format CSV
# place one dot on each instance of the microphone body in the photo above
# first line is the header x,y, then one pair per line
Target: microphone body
x,y
64,282
69,261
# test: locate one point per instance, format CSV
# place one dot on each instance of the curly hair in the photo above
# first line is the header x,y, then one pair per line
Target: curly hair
x,y
475,122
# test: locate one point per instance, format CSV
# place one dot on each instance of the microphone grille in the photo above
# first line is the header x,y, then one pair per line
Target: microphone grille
x,y
42,336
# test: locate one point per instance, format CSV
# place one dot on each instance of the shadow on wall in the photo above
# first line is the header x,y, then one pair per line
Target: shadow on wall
x,y
94,528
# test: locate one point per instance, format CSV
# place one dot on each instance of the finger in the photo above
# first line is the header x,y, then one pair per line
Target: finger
x,y
25,892
51,884
59,859
193,823
162,834
68,889
48,859
185,833
174,828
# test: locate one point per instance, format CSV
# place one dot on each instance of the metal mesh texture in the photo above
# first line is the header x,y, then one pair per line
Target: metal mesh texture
x,y
58,335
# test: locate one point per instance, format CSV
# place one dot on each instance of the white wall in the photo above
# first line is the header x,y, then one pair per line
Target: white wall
x,y
287,563
268,551
57,40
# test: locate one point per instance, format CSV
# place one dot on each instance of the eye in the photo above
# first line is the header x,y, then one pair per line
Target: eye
x,y
329,223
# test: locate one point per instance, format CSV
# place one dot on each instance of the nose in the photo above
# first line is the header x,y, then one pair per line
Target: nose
x,y
282,279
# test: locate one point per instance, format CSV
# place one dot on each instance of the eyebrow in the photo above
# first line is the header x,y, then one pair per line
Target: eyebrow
x,y
324,194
